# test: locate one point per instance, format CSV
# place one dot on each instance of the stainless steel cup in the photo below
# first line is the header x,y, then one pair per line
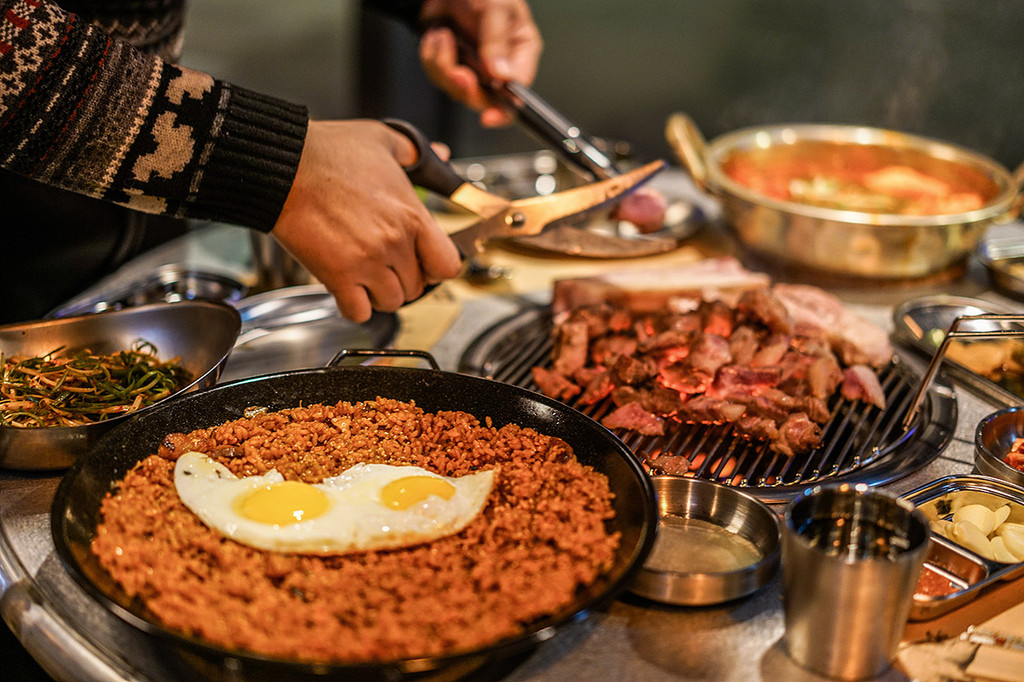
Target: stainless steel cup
x,y
851,558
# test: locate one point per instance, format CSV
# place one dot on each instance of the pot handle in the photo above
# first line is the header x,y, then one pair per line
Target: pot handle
x,y
383,352
689,144
1018,206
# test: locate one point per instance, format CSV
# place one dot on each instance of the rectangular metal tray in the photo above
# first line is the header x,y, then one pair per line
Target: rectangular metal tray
x,y
969,571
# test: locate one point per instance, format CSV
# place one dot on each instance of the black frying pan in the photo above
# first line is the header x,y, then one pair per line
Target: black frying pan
x,y
75,512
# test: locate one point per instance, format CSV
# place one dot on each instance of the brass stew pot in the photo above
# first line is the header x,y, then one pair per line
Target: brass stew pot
x,y
849,243
76,508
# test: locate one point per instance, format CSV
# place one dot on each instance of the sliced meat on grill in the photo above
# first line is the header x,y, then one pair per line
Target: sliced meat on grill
x,y
679,339
762,306
743,381
661,400
682,378
633,370
554,384
634,417
598,388
771,351
758,428
704,408
744,344
572,343
816,312
608,348
823,376
861,383
797,434
672,465
717,318
709,353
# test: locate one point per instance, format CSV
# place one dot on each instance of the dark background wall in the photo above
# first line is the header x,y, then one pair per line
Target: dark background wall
x,y
951,69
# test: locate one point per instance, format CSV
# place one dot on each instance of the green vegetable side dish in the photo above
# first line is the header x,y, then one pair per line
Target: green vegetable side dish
x,y
85,387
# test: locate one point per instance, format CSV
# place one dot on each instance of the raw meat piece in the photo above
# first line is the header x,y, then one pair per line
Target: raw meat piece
x,y
816,312
861,383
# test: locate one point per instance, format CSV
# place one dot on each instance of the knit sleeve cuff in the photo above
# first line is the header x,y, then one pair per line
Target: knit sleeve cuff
x,y
252,161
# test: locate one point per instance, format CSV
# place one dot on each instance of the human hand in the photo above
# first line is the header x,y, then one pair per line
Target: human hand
x,y
507,41
354,220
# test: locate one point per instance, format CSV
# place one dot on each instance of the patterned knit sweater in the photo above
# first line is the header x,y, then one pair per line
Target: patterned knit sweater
x,y
98,107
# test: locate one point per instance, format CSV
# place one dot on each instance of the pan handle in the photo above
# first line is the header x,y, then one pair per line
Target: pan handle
x,y
384,352
690,146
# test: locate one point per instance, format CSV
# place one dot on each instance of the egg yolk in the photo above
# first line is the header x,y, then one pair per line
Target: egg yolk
x,y
283,503
404,492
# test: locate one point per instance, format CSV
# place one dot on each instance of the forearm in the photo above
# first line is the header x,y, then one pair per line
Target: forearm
x,y
85,112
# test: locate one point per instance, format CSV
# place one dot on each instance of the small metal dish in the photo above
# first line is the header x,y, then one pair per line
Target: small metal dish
x,y
296,328
714,544
201,333
169,284
967,572
994,438
1002,254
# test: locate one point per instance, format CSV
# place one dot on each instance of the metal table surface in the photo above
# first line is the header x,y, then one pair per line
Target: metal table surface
x,y
74,638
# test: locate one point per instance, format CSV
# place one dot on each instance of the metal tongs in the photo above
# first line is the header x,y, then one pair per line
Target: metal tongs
x,y
504,218
555,131
955,332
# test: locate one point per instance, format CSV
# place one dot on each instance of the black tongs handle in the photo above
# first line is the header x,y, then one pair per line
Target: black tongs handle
x,y
430,171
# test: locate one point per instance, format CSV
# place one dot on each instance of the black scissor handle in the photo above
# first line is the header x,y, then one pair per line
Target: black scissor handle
x,y
429,171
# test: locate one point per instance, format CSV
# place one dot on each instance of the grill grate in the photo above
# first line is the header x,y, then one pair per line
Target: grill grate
x,y
861,442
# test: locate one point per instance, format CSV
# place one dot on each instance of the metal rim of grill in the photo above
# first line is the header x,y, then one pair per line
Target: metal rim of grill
x,y
861,443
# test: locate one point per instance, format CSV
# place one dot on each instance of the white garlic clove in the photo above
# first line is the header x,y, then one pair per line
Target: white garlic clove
x,y
1001,553
970,536
983,518
1013,539
1002,514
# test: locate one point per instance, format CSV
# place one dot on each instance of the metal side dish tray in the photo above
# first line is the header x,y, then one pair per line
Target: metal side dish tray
x,y
979,343
954,574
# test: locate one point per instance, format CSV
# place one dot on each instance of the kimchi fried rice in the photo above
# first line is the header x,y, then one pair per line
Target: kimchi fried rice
x,y
539,539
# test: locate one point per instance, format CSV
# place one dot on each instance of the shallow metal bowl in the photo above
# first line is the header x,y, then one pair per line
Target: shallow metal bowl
x,y
202,333
733,513
848,243
1003,257
994,438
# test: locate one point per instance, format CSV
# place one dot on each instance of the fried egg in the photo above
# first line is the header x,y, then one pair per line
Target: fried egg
x,y
368,506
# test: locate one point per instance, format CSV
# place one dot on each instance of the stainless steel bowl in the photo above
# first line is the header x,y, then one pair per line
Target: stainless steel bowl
x,y
848,243
1003,258
994,438
202,333
728,520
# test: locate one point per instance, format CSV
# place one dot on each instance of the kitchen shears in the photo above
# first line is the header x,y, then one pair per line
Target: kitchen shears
x,y
506,218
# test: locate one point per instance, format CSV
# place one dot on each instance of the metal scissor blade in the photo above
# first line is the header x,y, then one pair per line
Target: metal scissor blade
x,y
531,216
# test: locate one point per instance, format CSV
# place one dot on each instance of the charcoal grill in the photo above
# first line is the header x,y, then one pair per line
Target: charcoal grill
x,y
861,443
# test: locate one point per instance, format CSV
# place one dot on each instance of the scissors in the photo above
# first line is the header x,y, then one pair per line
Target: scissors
x,y
504,218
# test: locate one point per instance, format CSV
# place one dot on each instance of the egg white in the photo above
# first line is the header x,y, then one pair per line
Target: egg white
x,y
355,520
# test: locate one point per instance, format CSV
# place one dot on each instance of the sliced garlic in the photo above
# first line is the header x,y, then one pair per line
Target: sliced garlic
x,y
970,536
1013,539
983,518
1000,553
